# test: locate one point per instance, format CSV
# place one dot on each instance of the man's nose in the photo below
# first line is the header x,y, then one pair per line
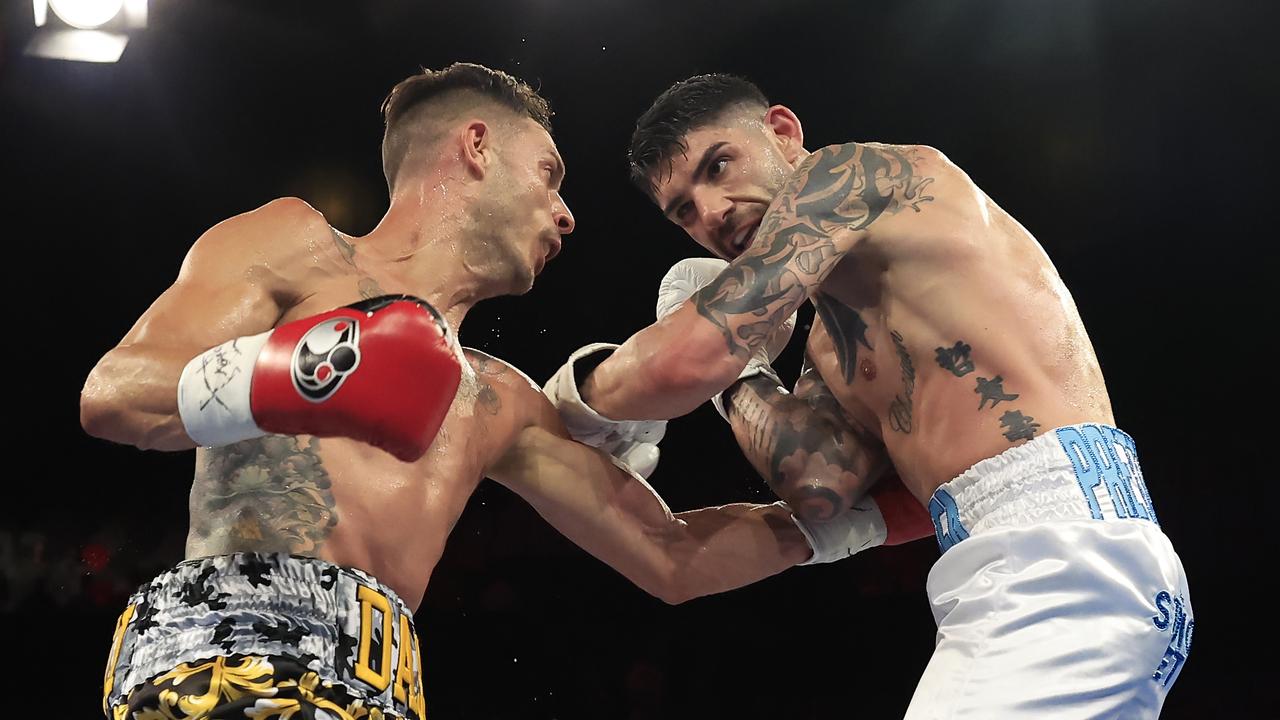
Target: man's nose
x,y
560,213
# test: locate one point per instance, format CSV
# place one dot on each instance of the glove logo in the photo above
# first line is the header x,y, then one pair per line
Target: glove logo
x,y
325,356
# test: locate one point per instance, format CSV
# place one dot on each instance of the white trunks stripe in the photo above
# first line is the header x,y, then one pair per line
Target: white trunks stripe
x,y
1077,472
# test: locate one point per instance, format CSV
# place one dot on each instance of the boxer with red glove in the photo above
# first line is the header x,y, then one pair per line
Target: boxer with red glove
x,y
382,371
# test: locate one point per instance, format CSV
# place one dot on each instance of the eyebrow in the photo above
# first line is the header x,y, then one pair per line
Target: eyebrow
x,y
703,162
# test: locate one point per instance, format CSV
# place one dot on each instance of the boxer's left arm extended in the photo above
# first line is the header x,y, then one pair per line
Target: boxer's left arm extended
x,y
830,204
612,513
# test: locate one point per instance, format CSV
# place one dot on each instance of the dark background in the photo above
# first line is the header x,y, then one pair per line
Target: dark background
x,y
1129,137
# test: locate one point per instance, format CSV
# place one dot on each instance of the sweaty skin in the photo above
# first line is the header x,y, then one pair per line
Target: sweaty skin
x,y
349,503
941,327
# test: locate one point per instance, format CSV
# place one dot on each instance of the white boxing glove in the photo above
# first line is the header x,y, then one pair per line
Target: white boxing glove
x,y
632,442
856,529
691,275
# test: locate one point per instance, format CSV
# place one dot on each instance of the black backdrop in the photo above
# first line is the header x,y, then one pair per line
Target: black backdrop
x,y
1129,137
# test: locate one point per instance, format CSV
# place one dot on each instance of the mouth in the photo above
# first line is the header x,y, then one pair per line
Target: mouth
x,y
553,249
743,238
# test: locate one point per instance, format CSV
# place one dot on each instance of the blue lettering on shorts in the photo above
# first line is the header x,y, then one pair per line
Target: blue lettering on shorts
x,y
1173,615
946,519
1105,457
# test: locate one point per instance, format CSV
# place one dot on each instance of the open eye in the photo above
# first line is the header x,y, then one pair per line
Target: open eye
x,y
717,166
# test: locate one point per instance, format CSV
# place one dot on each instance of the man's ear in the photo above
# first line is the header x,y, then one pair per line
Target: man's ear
x,y
786,130
476,138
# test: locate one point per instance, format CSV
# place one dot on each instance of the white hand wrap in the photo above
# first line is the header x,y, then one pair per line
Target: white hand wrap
x,y
213,393
857,529
633,442
691,275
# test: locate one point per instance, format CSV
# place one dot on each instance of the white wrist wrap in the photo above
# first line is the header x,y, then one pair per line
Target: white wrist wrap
x,y
858,528
634,442
213,392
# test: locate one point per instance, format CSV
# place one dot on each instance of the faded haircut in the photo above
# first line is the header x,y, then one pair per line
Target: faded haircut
x,y
414,108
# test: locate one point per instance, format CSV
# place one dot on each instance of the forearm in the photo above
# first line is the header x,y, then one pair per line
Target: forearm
x,y
613,514
727,547
131,397
662,372
819,465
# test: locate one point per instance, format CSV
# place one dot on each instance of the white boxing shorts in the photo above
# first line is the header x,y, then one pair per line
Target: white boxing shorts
x,y
1057,595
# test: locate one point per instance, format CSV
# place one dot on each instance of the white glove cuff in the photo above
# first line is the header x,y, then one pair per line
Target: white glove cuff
x,y
585,424
213,393
858,528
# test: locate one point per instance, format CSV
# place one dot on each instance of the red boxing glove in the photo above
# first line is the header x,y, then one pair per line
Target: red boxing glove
x,y
905,519
382,371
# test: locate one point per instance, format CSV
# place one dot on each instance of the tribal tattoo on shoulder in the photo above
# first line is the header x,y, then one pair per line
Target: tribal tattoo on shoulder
x,y
958,361
836,190
269,494
809,459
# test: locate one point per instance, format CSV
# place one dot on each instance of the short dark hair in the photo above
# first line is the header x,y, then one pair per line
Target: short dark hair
x,y
457,80
682,108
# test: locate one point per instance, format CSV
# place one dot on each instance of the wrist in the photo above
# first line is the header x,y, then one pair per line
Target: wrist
x,y
214,399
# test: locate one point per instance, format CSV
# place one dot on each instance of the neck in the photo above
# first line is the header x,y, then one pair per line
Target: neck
x,y
418,248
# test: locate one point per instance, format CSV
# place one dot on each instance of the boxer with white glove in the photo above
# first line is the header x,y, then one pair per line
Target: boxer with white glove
x,y
632,442
821,494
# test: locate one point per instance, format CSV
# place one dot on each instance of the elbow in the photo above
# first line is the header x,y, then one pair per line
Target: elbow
x,y
98,413
672,591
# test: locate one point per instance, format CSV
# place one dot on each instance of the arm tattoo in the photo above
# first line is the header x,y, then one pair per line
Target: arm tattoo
x,y
900,407
847,330
815,464
835,190
269,494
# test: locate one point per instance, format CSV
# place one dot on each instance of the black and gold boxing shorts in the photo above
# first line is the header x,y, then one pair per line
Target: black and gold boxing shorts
x,y
264,636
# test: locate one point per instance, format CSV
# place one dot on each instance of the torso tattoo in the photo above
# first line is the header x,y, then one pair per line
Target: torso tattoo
x,y
900,407
269,494
959,362
847,331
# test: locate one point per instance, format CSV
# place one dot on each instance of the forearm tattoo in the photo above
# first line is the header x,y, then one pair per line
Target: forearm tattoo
x,y
959,362
808,459
837,189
